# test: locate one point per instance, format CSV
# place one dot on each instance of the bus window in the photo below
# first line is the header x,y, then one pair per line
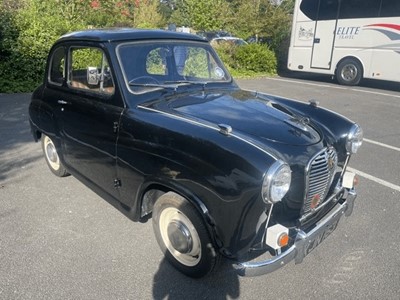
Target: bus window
x,y
320,9
328,10
309,8
353,9
390,8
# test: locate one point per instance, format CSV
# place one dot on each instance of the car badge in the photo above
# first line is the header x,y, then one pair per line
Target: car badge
x,y
315,201
331,163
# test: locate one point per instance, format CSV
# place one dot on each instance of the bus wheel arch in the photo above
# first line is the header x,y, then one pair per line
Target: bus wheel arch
x,y
349,71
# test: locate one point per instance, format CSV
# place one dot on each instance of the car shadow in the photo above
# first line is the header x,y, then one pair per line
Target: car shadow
x,y
15,135
367,83
169,283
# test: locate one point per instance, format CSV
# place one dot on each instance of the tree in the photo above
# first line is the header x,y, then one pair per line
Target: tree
x,y
201,15
147,15
249,17
28,28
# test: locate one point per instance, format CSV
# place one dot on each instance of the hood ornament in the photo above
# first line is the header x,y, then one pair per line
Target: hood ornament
x,y
299,122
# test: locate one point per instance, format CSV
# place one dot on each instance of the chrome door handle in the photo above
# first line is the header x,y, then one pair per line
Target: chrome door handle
x,y
62,102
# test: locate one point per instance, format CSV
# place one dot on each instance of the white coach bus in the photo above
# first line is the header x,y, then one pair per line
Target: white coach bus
x,y
351,39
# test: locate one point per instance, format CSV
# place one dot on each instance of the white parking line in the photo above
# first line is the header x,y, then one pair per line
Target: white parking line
x,y
377,180
376,93
381,144
335,87
309,83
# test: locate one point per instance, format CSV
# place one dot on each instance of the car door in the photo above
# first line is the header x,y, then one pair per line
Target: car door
x,y
89,109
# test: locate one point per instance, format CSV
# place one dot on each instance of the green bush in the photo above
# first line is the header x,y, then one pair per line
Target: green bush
x,y
253,59
256,58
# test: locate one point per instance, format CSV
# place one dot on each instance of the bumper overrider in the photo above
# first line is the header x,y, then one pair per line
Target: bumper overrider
x,y
304,243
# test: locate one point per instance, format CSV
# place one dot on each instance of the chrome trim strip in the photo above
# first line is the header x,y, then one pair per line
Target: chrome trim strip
x,y
345,166
213,127
179,117
254,145
301,245
267,223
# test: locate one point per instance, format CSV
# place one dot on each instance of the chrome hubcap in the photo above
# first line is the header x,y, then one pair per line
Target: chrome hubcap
x,y
51,153
349,72
180,236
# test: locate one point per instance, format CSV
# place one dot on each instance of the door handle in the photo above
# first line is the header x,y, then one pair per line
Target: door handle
x,y
317,40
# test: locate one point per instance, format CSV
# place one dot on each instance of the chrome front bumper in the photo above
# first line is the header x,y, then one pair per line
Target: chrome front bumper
x,y
304,243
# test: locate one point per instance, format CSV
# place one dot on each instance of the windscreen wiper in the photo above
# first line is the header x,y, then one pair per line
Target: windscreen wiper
x,y
155,85
187,82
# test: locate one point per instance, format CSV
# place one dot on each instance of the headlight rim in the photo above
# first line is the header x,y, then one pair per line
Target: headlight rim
x,y
355,135
269,176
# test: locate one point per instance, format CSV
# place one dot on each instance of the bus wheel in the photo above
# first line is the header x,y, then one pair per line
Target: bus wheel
x,y
349,72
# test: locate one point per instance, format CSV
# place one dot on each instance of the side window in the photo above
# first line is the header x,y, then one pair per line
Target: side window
x,y
89,70
310,8
156,63
390,8
199,64
57,66
320,9
328,9
352,9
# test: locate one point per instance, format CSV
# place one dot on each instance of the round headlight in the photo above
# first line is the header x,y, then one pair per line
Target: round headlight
x,y
354,139
276,182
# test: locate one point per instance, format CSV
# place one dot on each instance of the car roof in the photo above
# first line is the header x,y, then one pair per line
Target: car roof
x,y
126,34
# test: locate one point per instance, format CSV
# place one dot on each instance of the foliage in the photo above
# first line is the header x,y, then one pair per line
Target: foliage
x,y
249,17
279,25
146,15
256,58
202,15
253,59
28,28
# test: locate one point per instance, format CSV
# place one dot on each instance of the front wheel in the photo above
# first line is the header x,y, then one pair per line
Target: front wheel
x,y
183,237
52,158
349,72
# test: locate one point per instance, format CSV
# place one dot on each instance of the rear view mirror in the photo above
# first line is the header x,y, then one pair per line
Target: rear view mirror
x,y
92,76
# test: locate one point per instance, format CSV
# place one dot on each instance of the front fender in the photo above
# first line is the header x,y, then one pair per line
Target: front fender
x,y
220,174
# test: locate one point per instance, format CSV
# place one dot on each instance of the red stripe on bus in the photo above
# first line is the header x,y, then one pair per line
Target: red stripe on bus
x,y
391,26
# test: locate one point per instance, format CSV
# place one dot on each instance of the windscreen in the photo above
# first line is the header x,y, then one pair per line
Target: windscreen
x,y
151,65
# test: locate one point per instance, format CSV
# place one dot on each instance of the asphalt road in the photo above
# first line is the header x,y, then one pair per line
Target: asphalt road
x,y
59,240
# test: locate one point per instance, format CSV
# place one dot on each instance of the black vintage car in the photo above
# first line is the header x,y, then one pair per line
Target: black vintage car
x,y
154,123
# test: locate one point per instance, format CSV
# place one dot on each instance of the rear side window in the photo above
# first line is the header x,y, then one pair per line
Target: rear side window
x,y
57,66
390,8
89,70
320,9
359,9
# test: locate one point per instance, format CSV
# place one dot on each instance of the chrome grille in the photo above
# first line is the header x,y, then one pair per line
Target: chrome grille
x,y
320,172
